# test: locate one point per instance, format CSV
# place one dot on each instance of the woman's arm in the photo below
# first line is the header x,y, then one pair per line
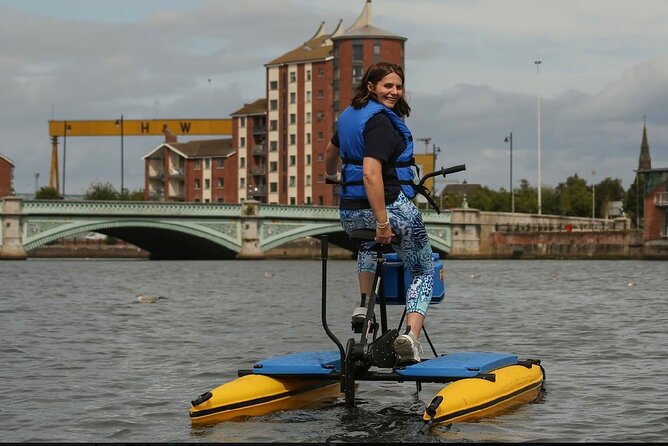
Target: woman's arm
x,y
372,169
331,161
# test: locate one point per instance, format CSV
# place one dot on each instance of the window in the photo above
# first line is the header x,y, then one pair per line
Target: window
x,y
308,75
293,118
293,76
273,104
293,200
321,178
320,136
273,146
358,51
293,98
220,162
273,125
207,163
376,49
242,162
220,200
273,85
321,94
358,72
321,202
308,159
308,117
308,180
220,182
198,164
197,183
273,166
308,96
293,139
242,183
242,121
308,200
273,187
242,142
308,138
207,183
321,72
293,181
293,160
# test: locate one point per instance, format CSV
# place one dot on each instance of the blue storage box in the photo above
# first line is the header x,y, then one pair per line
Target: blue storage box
x,y
396,280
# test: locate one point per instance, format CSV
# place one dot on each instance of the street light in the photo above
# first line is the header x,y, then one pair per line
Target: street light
x,y
434,151
537,62
593,197
119,122
512,191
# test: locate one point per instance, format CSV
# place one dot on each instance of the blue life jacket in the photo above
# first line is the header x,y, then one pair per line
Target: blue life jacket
x,y
350,127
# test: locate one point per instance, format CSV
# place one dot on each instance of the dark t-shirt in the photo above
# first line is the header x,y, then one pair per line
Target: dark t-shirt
x,y
381,141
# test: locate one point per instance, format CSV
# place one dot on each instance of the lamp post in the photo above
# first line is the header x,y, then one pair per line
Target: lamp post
x,y
512,191
537,62
593,198
36,182
434,151
119,122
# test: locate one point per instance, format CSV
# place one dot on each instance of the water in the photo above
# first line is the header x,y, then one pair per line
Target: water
x,y
82,361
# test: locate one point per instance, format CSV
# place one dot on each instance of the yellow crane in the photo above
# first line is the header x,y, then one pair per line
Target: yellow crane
x,y
128,127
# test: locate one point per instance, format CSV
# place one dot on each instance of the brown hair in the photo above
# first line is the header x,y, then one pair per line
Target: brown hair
x,y
374,74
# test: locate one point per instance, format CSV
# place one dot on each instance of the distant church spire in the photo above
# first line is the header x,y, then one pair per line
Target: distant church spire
x,y
644,162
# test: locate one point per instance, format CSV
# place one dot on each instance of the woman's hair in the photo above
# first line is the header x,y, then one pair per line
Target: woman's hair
x,y
374,74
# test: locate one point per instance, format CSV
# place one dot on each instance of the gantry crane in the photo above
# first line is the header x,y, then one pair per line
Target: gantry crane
x,y
128,127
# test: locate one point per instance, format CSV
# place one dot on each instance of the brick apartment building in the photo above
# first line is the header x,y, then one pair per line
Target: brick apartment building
x,y
197,171
278,142
655,195
6,176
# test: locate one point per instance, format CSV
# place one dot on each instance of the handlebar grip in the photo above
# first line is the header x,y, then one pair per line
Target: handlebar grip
x,y
453,169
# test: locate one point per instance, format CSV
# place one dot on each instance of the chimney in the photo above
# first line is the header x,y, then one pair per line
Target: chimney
x,y
169,136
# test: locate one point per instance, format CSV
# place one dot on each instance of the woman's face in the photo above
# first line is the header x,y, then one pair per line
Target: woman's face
x,y
388,90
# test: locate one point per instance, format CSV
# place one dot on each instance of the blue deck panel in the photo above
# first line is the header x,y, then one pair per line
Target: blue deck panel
x,y
453,365
459,365
303,363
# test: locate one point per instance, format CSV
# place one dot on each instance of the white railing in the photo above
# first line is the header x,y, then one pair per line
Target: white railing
x,y
661,199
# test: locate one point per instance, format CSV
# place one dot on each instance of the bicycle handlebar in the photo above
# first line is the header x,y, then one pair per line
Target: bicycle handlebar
x,y
442,171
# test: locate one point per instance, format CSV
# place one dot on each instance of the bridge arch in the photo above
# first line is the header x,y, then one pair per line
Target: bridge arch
x,y
228,242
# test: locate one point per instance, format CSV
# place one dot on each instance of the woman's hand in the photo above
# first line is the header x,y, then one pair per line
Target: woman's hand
x,y
384,235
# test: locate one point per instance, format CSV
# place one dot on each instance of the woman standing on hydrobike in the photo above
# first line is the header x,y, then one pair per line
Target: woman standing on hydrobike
x,y
376,187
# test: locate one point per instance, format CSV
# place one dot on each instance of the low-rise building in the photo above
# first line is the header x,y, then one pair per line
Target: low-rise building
x,y
6,176
197,171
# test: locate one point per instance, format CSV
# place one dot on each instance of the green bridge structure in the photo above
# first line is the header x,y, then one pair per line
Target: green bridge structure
x,y
184,231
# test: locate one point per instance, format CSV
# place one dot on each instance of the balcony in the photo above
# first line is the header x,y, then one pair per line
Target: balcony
x,y
156,175
175,173
259,170
661,199
259,129
260,150
257,191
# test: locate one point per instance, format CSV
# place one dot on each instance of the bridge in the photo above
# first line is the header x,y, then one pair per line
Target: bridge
x,y
184,231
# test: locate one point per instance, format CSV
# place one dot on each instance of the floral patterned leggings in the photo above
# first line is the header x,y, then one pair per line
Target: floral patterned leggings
x,y
414,248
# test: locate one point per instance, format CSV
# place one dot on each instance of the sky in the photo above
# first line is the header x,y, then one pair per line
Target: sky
x,y
471,79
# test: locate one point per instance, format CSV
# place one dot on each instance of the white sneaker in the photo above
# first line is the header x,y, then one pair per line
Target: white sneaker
x,y
408,348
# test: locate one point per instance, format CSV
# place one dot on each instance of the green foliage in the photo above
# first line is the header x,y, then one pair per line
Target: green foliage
x,y
47,193
572,197
99,191
634,201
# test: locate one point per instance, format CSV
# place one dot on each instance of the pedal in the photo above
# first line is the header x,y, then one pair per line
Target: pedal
x,y
357,324
382,350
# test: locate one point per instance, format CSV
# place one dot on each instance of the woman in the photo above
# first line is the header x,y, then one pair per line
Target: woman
x,y
376,152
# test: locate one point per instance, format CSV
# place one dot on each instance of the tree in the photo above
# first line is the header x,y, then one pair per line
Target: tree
x,y
47,193
99,191
607,191
574,197
634,201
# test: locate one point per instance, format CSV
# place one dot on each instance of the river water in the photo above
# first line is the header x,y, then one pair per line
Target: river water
x,y
82,361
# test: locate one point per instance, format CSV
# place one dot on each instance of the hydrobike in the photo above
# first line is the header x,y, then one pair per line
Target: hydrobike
x,y
478,384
